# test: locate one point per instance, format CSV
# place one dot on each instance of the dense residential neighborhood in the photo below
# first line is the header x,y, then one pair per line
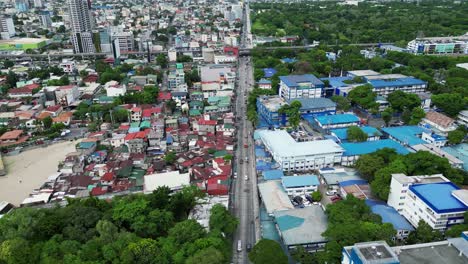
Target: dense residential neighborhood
x,y
207,131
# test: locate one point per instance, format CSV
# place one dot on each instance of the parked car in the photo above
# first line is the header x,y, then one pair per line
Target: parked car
x,y
331,192
249,247
246,177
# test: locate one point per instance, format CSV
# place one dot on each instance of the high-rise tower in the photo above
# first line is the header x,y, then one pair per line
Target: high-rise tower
x,y
80,22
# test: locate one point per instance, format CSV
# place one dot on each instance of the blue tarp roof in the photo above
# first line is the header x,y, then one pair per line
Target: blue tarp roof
x,y
337,119
268,72
294,80
264,81
263,166
260,152
169,139
302,180
133,129
439,196
288,60
389,215
336,82
342,133
406,134
353,149
396,82
352,182
273,174
460,151
286,222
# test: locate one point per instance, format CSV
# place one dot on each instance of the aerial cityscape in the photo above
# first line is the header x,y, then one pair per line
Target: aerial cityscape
x,y
234,131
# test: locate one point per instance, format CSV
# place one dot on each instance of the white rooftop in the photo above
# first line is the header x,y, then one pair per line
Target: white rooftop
x,y
363,73
281,143
274,197
172,179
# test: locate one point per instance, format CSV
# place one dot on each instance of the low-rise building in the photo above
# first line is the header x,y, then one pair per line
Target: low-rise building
x,y
299,156
439,123
172,179
336,121
300,185
300,86
430,198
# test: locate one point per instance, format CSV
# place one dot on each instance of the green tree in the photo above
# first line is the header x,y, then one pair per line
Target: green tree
x,y
450,103
16,250
342,103
368,165
363,96
456,136
209,256
300,255
222,220
356,134
47,122
170,157
186,232
267,251
292,110
387,115
161,59
316,196
424,234
8,63
400,100
145,251
11,79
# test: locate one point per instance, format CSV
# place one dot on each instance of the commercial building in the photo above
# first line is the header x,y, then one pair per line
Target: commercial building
x,y
354,150
406,135
267,108
342,133
23,43
390,215
81,26
7,28
124,41
454,161
176,79
300,185
299,156
172,179
300,86
274,197
430,198
462,118
302,227
439,45
452,250
335,121
311,107
385,84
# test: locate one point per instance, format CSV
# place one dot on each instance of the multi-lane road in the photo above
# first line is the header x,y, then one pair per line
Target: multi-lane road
x,y
244,190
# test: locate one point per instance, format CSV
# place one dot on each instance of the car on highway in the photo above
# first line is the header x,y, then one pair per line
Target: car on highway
x,y
241,161
246,177
239,246
246,146
249,247
235,175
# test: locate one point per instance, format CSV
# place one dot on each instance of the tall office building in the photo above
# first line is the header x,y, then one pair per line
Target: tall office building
x,y
80,21
22,5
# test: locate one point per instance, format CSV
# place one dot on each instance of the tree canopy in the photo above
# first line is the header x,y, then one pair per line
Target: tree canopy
x,y
267,251
136,228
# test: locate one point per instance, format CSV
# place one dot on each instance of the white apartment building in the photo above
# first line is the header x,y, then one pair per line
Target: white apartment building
x,y
7,28
124,40
299,156
430,198
300,86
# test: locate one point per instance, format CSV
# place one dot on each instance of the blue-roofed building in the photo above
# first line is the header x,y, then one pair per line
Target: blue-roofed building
x,y
268,72
335,121
357,188
342,133
431,198
273,175
354,150
268,106
337,86
406,135
300,185
390,215
385,84
315,106
459,151
300,86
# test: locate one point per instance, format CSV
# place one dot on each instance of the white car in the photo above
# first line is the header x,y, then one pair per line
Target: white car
x,y
331,192
246,177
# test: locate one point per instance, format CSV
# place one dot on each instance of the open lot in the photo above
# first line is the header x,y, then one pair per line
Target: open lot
x,y
28,170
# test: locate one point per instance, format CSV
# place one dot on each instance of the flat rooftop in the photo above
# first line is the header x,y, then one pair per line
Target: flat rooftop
x,y
406,134
363,73
272,103
439,196
314,103
361,148
437,254
297,80
302,226
281,143
274,197
342,133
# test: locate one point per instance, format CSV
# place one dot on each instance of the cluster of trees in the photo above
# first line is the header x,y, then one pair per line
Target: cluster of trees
x,y
50,129
457,136
364,97
59,82
366,23
292,112
267,251
379,166
407,104
101,112
130,229
356,134
252,115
